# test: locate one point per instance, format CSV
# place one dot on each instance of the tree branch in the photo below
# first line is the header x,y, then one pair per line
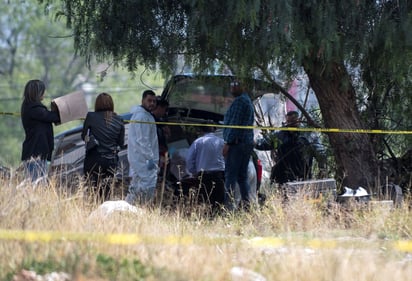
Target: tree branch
x,y
278,87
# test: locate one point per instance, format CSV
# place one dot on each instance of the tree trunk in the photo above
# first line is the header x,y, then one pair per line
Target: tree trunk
x,y
354,155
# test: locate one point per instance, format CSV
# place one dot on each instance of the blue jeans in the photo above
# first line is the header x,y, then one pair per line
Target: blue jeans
x,y
35,168
236,164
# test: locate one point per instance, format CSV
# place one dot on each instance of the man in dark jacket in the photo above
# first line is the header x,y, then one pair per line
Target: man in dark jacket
x,y
163,131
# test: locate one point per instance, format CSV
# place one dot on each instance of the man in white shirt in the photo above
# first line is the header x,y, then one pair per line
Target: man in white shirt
x,y
206,163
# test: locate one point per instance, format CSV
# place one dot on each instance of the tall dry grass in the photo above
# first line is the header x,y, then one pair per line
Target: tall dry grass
x,y
303,240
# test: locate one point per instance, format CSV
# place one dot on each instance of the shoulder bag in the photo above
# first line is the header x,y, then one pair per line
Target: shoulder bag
x,y
91,141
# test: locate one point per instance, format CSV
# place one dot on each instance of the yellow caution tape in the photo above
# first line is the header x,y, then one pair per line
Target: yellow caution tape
x,y
132,239
403,246
320,130
324,130
10,113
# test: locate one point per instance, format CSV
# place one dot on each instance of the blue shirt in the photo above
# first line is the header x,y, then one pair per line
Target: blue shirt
x,y
205,154
240,113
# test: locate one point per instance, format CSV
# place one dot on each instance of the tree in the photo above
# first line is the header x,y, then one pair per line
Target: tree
x,y
33,46
30,48
327,39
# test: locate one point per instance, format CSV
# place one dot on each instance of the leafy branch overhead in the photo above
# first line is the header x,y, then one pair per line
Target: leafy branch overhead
x,y
355,54
242,33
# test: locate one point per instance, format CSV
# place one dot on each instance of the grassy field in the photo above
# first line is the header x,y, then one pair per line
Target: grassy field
x,y
45,229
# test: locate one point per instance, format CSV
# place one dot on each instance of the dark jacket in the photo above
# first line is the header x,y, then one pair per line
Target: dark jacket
x,y
110,135
294,155
37,123
161,137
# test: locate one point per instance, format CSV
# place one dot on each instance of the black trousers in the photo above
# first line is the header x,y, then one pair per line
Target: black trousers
x,y
209,187
99,171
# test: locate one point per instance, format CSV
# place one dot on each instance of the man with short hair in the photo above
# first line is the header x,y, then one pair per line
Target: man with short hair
x,y
143,151
160,115
238,145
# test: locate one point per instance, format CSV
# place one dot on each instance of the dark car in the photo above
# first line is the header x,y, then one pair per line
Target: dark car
x,y
193,100
68,157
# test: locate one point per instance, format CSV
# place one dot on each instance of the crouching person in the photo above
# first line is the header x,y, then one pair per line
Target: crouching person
x,y
206,163
143,152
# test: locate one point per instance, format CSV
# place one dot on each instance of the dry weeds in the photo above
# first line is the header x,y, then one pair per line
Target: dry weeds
x,y
304,240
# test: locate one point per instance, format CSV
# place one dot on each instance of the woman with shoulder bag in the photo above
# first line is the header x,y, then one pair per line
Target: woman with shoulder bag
x,y
103,132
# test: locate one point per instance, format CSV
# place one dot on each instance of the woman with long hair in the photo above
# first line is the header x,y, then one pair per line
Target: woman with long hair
x,y
107,128
37,122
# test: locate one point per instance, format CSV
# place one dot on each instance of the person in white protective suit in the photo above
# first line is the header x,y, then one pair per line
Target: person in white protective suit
x,y
143,152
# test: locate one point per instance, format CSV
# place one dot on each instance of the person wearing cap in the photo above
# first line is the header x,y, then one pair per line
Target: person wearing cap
x,y
143,152
238,145
37,122
295,151
205,162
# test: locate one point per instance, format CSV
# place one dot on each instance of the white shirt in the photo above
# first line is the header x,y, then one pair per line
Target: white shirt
x,y
205,154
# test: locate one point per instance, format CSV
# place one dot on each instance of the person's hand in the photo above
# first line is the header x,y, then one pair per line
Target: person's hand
x,y
225,150
150,164
323,173
167,132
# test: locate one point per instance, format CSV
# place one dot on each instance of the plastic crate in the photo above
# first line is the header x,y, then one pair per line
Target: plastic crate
x,y
311,189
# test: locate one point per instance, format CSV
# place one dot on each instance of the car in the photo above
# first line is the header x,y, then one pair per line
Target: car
x,y
66,164
193,99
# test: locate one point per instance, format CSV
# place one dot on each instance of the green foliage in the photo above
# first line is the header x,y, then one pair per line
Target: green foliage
x,y
42,266
32,49
122,269
248,35
261,32
327,39
32,46
126,269
106,267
